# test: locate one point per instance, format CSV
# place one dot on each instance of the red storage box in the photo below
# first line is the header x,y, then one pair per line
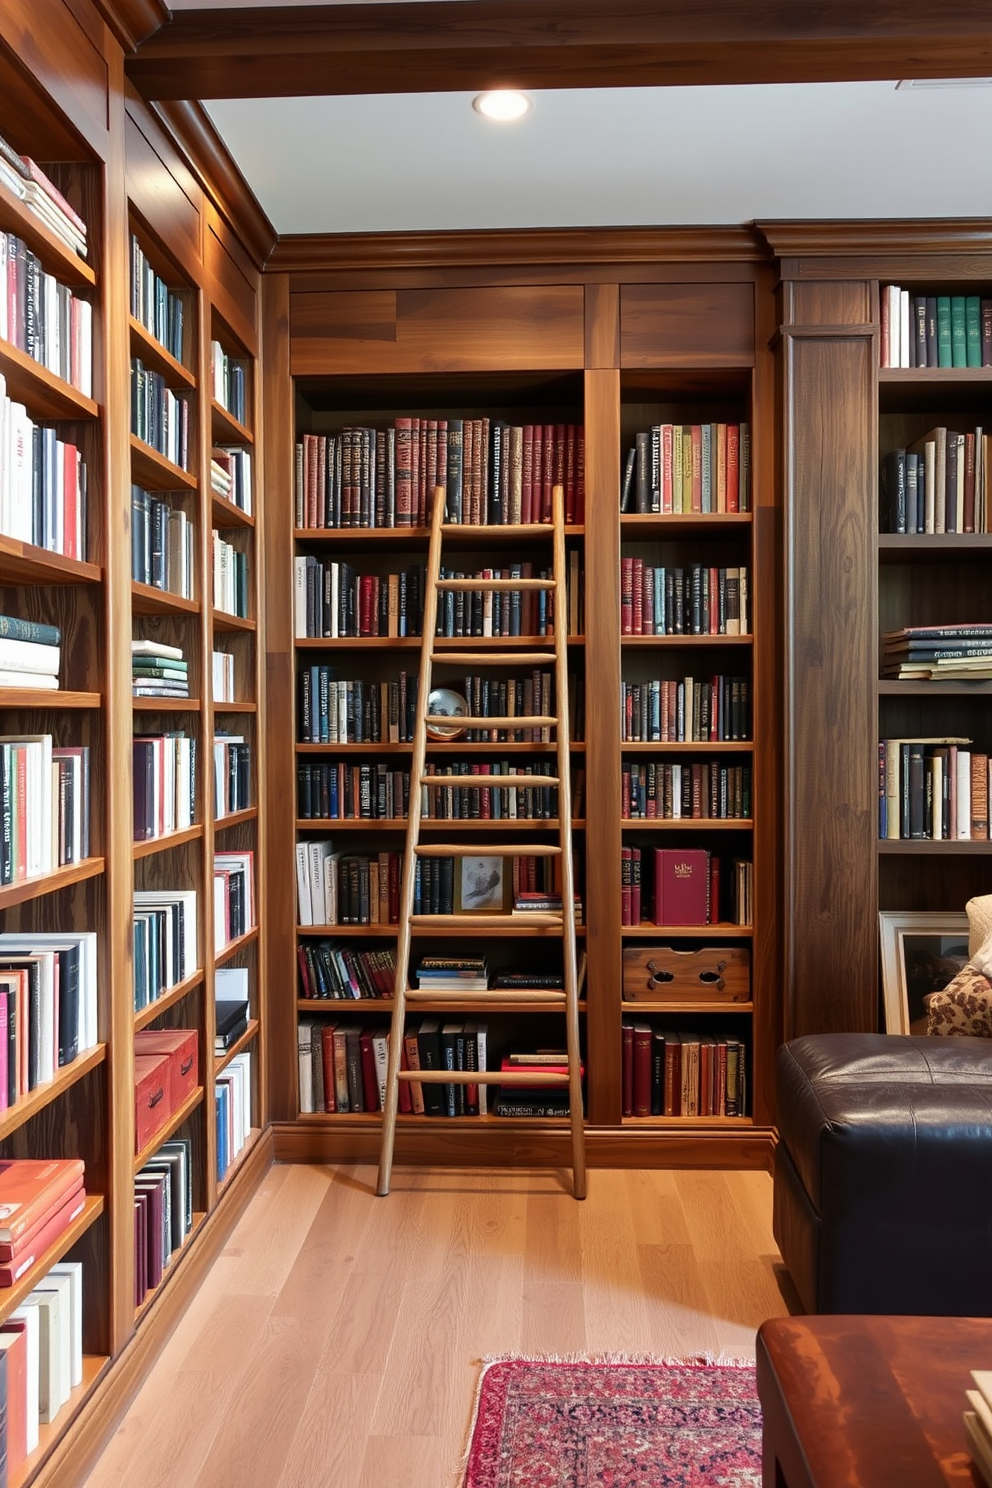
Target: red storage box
x,y
152,1096
181,1048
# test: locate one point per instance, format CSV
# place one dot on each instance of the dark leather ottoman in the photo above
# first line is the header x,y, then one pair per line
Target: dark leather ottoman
x,y
883,1173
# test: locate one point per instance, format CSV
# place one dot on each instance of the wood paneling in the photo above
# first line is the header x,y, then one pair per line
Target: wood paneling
x,y
687,325
437,330
162,200
66,57
830,787
443,47
815,302
233,280
602,325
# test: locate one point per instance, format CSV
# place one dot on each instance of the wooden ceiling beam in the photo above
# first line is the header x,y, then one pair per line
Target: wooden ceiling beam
x,y
455,45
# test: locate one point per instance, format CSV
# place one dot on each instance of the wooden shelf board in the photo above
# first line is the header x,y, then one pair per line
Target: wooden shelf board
x,y
909,847
151,469
917,547
233,1167
234,946
225,428
496,1001
221,1061
45,394
434,746
94,1367
49,883
23,563
349,932
168,999
146,599
57,256
174,1122
682,642
358,643
235,707
141,1312
722,929
166,705
493,927
435,824
896,688
226,514
163,844
35,697
699,1006
695,746
683,1123
151,353
43,1095
222,621
12,1297
455,533
681,524
235,819
688,823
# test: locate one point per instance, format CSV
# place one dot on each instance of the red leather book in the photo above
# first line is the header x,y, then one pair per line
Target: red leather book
x,y
327,1060
370,1080
635,885
404,472
527,475
673,1077
681,886
14,1343
625,872
733,467
11,1271
642,1069
29,1190
626,596
627,1067
27,1240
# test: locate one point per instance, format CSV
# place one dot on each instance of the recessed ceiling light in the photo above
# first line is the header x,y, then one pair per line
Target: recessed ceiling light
x,y
502,104
962,82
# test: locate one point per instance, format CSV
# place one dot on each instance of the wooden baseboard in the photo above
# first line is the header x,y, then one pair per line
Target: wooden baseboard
x,y
77,1449
520,1146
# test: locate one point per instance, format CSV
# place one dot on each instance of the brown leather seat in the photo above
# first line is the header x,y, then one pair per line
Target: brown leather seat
x,y
883,1173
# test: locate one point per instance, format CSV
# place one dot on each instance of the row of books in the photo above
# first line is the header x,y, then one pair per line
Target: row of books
x,y
161,310
26,180
684,886
229,382
506,697
232,774
695,600
44,318
681,1074
933,653
921,330
330,969
342,1068
30,654
686,712
338,710
496,803
165,951
44,805
232,1104
231,1006
333,601
939,483
163,1213
41,1346
346,792
230,475
159,416
158,670
230,578
508,612
492,473
335,888
686,468
235,910
48,1006
933,788
43,483
699,791
223,677
163,784
163,543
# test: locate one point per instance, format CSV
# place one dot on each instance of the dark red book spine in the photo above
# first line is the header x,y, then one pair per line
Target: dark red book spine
x,y
642,1069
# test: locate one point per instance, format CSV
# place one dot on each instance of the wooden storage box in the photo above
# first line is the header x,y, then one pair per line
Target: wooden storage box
x,y
661,974
181,1048
152,1100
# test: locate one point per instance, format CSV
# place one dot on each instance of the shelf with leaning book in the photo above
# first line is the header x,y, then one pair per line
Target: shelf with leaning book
x,y
679,1068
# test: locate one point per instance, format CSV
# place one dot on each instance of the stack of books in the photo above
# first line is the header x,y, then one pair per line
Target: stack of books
x,y
539,1099
537,902
29,654
42,1347
159,670
163,1212
938,653
978,1422
453,974
39,1199
26,180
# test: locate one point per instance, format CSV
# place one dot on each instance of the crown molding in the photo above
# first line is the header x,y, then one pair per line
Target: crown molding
x,y
883,237
445,45
209,159
133,21
513,248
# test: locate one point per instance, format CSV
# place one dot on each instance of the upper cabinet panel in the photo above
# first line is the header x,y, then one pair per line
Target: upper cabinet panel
x,y
232,279
442,330
67,60
687,325
159,195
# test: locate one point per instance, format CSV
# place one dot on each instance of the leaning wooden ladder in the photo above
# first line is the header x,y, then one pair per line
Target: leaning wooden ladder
x,y
534,1000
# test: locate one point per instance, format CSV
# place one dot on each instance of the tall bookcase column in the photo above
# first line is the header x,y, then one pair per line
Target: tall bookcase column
x,y
828,355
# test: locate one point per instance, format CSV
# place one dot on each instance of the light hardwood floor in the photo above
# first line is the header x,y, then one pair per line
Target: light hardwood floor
x,y
336,1341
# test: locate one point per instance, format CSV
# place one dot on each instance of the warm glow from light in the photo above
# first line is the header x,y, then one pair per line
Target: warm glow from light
x,y
502,104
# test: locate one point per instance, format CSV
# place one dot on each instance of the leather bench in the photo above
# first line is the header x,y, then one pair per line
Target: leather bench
x,y
883,1173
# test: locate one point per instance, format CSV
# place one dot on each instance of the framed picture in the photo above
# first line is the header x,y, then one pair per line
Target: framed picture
x,y
483,886
921,951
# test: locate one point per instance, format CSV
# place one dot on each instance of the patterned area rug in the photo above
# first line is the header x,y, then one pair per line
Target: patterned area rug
x,y
681,1424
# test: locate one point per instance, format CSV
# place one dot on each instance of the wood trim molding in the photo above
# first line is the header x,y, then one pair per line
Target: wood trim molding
x,y
836,239
209,159
513,247
133,21
441,45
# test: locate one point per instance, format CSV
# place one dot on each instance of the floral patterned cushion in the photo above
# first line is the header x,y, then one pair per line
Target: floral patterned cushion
x,y
964,1006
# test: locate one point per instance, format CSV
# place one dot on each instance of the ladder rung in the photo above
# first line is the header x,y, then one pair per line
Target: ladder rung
x,y
482,922
497,529
489,658
486,849
525,996
495,584
496,721
484,1077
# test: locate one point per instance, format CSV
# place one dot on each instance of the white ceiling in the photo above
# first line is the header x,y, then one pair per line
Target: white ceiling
x,y
622,157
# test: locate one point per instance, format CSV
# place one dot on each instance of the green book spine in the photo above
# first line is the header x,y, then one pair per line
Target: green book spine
x,y
959,340
944,331
973,331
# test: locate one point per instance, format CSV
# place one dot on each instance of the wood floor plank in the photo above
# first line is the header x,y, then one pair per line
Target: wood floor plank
x,y
331,1435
